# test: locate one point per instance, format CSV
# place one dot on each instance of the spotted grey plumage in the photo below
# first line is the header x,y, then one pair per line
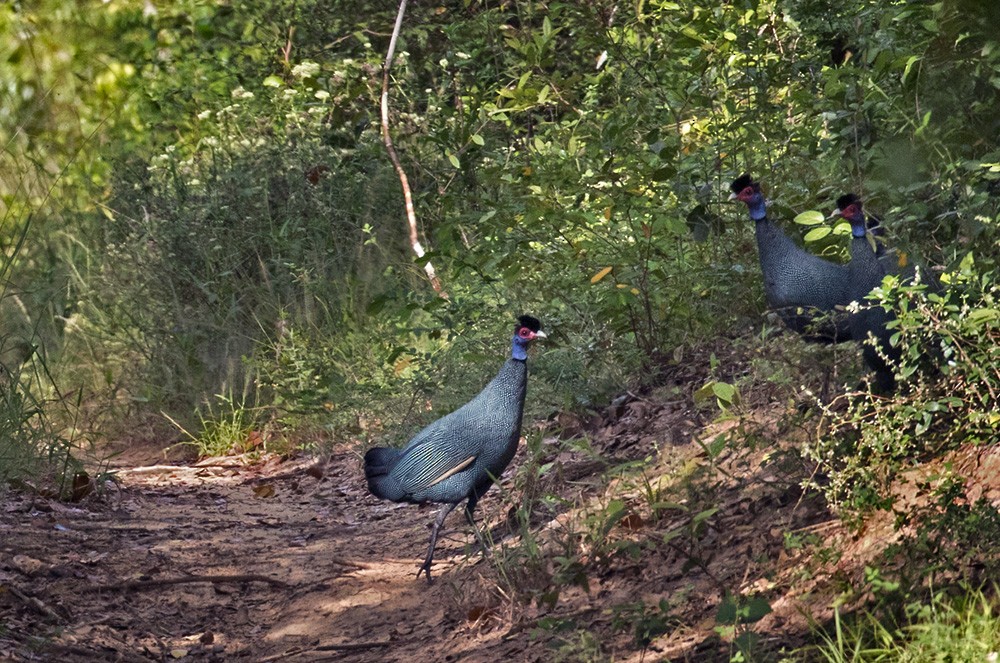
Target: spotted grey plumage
x,y
866,271
804,289
459,456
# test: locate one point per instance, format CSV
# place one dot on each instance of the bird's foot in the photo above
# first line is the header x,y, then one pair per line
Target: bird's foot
x,y
426,568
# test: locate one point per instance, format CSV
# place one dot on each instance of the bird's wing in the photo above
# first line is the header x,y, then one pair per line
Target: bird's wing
x,y
444,448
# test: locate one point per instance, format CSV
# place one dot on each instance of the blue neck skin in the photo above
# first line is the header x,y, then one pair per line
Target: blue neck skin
x,y
858,226
757,207
519,348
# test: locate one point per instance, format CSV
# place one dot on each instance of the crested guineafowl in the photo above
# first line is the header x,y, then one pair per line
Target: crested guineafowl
x,y
459,456
803,288
866,271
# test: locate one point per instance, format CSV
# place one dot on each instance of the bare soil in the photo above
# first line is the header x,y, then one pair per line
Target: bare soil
x,y
292,560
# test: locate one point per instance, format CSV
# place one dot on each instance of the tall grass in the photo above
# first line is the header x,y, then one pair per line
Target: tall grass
x,y
33,442
966,628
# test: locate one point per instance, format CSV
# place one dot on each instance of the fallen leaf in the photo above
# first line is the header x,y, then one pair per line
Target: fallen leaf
x,y
29,566
264,490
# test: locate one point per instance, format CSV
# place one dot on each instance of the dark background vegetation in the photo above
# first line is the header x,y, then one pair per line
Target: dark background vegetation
x,y
201,230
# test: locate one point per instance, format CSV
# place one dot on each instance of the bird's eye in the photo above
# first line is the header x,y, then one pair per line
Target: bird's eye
x,y
851,210
747,191
524,332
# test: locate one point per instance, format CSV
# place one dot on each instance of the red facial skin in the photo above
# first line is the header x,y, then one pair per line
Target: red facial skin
x,y
526,334
851,211
746,194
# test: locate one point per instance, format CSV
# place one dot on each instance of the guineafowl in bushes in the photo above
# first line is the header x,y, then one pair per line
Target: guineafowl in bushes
x,y
865,272
458,457
804,289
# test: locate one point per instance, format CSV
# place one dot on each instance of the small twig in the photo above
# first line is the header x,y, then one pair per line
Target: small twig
x,y
140,585
345,646
293,473
411,216
90,654
286,51
34,603
153,469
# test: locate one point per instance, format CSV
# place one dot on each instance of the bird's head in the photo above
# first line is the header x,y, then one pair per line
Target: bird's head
x,y
850,207
526,331
747,191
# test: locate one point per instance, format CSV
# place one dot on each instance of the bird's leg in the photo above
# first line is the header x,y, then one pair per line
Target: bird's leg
x,y
475,529
442,514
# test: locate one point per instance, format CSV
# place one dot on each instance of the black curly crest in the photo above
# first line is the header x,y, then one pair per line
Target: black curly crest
x,y
531,323
742,182
847,200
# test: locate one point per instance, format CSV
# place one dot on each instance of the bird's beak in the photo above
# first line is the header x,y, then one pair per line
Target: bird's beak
x,y
836,213
733,196
540,334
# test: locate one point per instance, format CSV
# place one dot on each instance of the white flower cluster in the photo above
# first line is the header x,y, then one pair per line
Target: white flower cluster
x,y
307,69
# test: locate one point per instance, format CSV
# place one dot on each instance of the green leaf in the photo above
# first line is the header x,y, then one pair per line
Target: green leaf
x,y
616,511
477,139
980,315
717,445
724,392
704,393
809,218
273,81
817,234
909,64
727,611
664,173
704,515
672,534
454,160
755,609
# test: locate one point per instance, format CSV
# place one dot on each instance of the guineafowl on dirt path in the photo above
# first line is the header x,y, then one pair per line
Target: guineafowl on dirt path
x,y
801,287
865,272
459,456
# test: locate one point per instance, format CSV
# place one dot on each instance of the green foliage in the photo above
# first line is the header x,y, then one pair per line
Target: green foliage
x,y
213,213
33,445
949,380
251,238
559,155
227,427
735,615
645,622
568,642
946,628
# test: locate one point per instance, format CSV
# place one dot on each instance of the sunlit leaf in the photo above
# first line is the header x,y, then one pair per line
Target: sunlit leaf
x,y
601,274
809,218
817,234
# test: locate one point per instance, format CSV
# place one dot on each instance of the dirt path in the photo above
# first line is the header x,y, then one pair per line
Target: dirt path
x,y
294,561
323,571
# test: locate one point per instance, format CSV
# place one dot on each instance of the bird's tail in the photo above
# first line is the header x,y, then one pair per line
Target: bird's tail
x,y
379,461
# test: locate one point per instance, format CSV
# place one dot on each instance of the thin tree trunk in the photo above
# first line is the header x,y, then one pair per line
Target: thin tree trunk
x,y
411,216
